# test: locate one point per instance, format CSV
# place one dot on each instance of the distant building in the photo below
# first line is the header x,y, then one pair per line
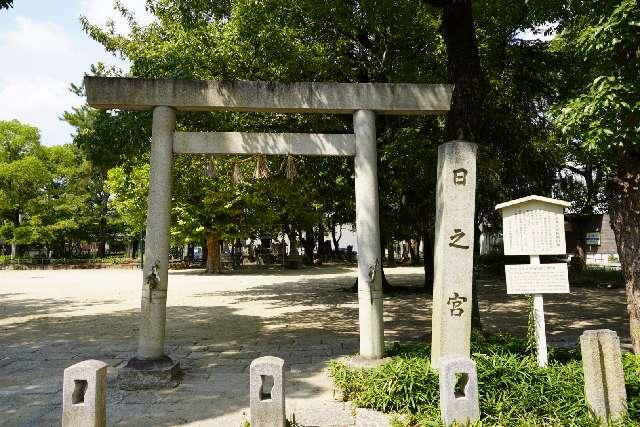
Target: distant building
x,y
594,234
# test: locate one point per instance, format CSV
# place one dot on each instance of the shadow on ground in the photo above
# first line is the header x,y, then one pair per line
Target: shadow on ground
x,y
215,344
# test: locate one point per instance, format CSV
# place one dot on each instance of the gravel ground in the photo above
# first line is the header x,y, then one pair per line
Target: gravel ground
x,y
217,324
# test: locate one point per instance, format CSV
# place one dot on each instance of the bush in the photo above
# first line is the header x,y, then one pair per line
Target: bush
x,y
596,276
514,391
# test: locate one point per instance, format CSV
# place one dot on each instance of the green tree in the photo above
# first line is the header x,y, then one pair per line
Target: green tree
x,y
56,217
106,139
23,175
601,120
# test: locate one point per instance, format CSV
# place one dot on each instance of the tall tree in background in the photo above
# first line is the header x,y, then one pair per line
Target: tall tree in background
x,y
465,117
23,174
602,117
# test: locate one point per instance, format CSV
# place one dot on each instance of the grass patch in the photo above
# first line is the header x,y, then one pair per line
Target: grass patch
x,y
514,391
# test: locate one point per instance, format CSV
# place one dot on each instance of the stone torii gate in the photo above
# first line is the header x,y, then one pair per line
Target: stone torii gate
x,y
152,367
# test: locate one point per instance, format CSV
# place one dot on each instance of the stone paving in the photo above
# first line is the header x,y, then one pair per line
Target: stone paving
x,y
217,324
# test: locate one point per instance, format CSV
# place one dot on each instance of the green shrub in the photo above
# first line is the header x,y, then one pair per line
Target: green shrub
x,y
514,391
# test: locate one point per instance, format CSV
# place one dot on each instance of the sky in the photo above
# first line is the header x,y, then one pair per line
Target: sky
x,y
43,50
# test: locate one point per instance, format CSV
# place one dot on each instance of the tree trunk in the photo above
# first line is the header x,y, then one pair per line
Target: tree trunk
x,y
14,246
623,197
336,240
102,243
309,243
205,250
465,118
391,260
412,253
213,253
415,253
428,260
321,251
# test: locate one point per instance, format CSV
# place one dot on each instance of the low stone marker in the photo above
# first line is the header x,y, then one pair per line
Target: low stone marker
x,y
603,375
84,395
266,392
458,391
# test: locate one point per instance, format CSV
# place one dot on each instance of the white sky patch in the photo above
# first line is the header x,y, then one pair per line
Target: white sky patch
x,y
98,12
43,53
545,32
39,101
36,36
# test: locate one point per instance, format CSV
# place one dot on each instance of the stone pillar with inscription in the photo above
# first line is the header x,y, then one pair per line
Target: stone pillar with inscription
x,y
453,251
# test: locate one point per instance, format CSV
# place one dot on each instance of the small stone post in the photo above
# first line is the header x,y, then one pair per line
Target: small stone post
x,y
453,251
266,392
84,395
458,391
151,368
604,386
368,236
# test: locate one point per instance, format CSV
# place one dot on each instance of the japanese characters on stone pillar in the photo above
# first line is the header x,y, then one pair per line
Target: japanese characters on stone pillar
x,y
453,252
534,226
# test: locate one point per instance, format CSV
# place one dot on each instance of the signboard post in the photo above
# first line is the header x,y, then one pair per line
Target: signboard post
x,y
534,226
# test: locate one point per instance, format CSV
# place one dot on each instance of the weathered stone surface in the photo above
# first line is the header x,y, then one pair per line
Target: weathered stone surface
x,y
156,257
266,392
193,95
603,374
458,397
305,144
84,395
368,235
453,252
149,374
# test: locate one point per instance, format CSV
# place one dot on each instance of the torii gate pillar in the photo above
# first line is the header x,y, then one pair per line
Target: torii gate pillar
x,y
368,235
151,357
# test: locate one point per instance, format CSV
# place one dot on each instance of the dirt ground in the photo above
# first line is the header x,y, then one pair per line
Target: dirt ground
x,y
217,324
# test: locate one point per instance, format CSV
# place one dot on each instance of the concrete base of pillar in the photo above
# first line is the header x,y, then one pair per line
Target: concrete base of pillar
x,y
139,374
363,362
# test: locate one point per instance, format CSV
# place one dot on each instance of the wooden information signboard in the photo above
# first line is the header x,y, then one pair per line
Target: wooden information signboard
x,y
534,226
531,279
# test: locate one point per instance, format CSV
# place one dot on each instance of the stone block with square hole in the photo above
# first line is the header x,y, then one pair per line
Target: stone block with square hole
x,y
266,388
604,386
458,391
84,395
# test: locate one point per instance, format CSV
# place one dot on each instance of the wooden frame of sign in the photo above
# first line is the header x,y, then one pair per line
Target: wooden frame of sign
x,y
534,226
